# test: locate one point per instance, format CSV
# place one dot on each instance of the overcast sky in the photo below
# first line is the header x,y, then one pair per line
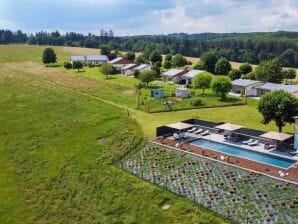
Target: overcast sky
x,y
130,17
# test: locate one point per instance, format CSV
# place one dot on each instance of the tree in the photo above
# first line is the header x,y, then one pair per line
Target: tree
x,y
209,60
234,74
67,65
178,60
251,75
107,70
77,65
147,76
136,73
245,68
289,74
130,56
140,59
105,49
49,56
155,56
167,64
168,57
278,106
222,66
269,71
156,69
202,81
221,86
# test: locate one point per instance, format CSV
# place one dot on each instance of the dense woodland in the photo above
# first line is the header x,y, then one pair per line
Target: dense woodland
x,y
240,47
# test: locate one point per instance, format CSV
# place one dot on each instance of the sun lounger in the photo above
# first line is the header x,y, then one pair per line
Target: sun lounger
x,y
199,131
253,143
192,130
207,132
176,136
248,141
293,153
184,135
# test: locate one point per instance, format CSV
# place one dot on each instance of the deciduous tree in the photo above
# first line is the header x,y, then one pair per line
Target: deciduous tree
x,y
278,106
221,86
202,81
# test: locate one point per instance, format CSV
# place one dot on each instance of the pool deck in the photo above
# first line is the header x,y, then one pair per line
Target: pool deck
x,y
291,174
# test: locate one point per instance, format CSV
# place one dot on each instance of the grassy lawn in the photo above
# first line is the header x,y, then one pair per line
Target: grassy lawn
x,y
54,171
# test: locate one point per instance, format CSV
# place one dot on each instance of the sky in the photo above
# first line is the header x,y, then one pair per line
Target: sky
x,y
136,17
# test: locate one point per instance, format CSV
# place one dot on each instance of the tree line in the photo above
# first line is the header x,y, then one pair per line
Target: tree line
x,y
244,47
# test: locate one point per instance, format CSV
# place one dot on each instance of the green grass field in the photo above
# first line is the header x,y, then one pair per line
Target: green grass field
x,y
52,168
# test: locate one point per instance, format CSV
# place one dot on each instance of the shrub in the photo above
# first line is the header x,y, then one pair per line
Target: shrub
x,y
199,65
136,73
234,74
222,66
245,68
67,65
251,76
197,102
77,65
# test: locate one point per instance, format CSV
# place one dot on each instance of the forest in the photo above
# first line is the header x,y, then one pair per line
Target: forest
x,y
238,47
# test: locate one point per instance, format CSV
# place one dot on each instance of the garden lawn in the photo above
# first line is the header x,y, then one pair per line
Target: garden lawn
x,y
53,170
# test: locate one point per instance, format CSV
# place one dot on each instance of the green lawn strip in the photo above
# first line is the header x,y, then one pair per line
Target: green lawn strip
x,y
57,171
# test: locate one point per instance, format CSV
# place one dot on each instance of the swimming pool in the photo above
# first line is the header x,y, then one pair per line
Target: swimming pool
x,y
244,153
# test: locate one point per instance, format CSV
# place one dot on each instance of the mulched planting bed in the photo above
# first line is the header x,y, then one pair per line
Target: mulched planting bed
x,y
243,196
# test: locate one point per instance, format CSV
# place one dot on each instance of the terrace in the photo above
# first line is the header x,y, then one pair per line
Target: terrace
x,y
274,161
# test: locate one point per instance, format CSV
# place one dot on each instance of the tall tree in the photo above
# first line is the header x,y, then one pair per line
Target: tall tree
x,y
155,56
209,59
49,56
222,66
105,49
278,106
269,71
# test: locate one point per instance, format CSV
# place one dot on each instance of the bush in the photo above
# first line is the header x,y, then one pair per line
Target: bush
x,y
245,68
251,76
178,60
136,73
234,74
197,102
77,65
222,66
67,65
167,64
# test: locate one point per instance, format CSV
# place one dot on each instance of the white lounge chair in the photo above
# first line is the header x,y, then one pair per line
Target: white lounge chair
x,y
248,141
176,136
256,142
192,130
293,153
184,135
207,132
199,131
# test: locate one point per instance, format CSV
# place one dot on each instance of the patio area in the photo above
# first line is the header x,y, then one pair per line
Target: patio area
x,y
220,133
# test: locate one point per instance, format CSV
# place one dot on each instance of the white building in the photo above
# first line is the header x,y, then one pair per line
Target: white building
x,y
269,87
92,59
190,75
245,86
173,75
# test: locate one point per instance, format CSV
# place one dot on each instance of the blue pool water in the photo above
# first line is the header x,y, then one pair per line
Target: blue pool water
x,y
244,153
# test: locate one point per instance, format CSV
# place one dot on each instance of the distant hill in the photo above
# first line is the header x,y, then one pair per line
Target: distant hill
x,y
238,47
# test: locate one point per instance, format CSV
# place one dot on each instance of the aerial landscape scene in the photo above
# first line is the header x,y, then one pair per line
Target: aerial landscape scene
x,y
127,112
